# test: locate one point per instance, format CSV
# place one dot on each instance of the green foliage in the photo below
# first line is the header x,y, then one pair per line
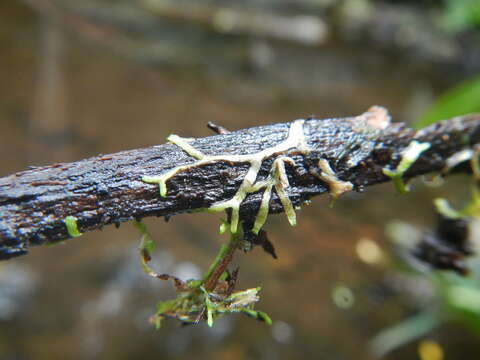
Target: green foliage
x,y
194,302
458,297
461,297
454,298
404,332
462,99
461,15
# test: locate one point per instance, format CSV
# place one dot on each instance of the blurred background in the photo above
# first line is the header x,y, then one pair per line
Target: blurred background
x,y
80,78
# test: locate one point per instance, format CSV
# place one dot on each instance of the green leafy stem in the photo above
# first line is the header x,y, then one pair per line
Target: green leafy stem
x,y
207,299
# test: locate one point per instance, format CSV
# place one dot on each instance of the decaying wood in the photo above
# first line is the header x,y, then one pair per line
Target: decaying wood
x,y
108,189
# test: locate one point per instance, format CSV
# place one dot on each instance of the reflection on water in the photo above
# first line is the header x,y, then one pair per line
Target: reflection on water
x,y
330,290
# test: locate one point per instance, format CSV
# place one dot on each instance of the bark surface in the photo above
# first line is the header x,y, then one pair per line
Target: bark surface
x,y
108,189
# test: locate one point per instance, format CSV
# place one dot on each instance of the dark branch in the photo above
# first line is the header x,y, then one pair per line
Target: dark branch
x,y
108,189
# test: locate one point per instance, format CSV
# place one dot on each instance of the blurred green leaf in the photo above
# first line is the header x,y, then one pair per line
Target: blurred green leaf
x,y
460,296
462,99
444,208
461,15
164,306
464,298
402,333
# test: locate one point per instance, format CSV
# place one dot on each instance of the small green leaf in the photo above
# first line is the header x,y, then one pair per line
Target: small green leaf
x,y
194,283
164,306
408,330
224,276
464,298
71,224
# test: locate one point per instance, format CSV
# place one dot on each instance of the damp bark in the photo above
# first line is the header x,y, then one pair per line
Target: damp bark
x,y
108,189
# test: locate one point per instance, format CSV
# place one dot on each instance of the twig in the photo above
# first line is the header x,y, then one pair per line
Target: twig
x,y
108,188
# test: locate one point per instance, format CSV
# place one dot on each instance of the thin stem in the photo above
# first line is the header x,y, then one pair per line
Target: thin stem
x,y
220,264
